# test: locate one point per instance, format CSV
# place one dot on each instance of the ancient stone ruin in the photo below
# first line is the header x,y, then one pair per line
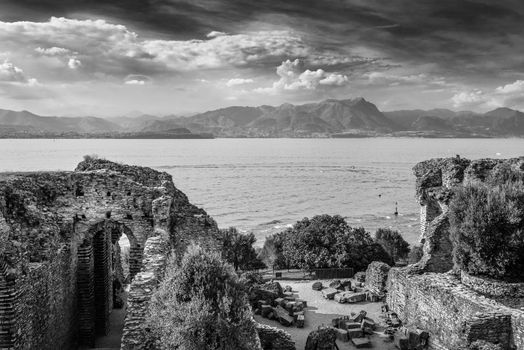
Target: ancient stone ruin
x,y
455,308
60,257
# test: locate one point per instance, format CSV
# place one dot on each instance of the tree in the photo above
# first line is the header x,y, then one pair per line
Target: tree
x,y
272,251
326,241
237,249
201,305
393,243
487,229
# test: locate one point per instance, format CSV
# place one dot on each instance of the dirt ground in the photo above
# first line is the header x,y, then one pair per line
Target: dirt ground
x,y
320,312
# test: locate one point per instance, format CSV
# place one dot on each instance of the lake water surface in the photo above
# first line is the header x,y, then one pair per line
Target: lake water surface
x,y
264,185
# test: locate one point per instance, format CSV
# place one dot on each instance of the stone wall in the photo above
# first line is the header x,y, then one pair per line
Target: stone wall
x,y
453,314
58,237
436,179
273,338
376,277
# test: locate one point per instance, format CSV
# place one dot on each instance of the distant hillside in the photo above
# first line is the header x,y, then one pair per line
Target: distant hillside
x,y
25,121
341,118
327,117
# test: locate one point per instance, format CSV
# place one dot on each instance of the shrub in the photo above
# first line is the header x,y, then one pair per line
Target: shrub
x,y
393,243
415,254
201,305
487,230
272,252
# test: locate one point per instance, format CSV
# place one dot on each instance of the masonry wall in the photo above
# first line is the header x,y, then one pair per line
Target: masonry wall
x,y
453,314
56,236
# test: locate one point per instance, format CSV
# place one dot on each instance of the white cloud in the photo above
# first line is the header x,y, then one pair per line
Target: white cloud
x,y
135,82
74,63
292,77
468,98
517,86
11,73
214,34
53,51
509,95
238,81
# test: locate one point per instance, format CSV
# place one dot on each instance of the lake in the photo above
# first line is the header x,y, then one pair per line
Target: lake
x,y
265,185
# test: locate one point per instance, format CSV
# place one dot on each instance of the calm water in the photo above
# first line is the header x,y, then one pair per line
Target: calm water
x,y
264,185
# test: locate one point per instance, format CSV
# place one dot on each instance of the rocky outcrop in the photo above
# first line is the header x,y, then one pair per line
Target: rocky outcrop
x,y
58,237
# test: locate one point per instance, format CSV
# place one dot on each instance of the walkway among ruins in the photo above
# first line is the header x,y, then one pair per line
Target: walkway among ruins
x,y
113,339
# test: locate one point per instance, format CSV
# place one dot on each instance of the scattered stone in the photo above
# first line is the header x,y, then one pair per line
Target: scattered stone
x,y
288,289
317,286
342,335
329,293
356,297
321,339
355,333
361,342
300,320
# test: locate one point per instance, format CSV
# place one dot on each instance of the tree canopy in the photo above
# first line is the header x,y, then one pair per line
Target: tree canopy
x,y
326,241
238,249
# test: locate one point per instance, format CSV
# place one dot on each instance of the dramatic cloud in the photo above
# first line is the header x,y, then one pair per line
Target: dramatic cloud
x,y
293,77
401,54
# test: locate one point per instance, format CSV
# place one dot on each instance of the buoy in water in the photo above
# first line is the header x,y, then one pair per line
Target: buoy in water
x,y
396,209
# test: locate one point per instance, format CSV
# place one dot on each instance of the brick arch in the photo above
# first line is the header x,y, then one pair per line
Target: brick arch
x,y
7,308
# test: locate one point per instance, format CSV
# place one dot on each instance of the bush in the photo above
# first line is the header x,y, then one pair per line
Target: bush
x,y
393,243
201,305
415,254
487,230
326,241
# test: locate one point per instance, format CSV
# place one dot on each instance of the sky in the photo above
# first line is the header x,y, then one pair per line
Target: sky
x,y
164,57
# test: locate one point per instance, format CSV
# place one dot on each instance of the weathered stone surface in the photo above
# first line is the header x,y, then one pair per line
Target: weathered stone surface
x,y
317,286
58,237
453,314
436,179
272,338
322,339
376,277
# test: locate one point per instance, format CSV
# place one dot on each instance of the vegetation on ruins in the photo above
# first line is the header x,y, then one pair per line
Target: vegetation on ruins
x,y
238,249
201,304
415,254
393,243
326,241
487,227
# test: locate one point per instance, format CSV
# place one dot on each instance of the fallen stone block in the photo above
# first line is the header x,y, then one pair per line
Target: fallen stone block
x,y
368,322
361,343
329,293
288,289
342,335
300,320
353,325
355,333
356,297
340,298
334,284
361,316
289,298
360,276
288,294
265,310
317,286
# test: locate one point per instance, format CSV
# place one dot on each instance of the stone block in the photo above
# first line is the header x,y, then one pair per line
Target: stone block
x,y
329,293
317,286
355,333
342,335
353,325
356,298
361,343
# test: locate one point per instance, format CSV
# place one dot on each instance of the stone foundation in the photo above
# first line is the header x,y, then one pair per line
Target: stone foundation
x,y
453,314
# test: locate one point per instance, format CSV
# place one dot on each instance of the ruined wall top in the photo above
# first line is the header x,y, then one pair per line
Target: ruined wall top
x,y
43,212
436,177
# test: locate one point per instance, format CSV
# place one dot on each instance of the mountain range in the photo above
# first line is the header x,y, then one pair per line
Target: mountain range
x,y
338,118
